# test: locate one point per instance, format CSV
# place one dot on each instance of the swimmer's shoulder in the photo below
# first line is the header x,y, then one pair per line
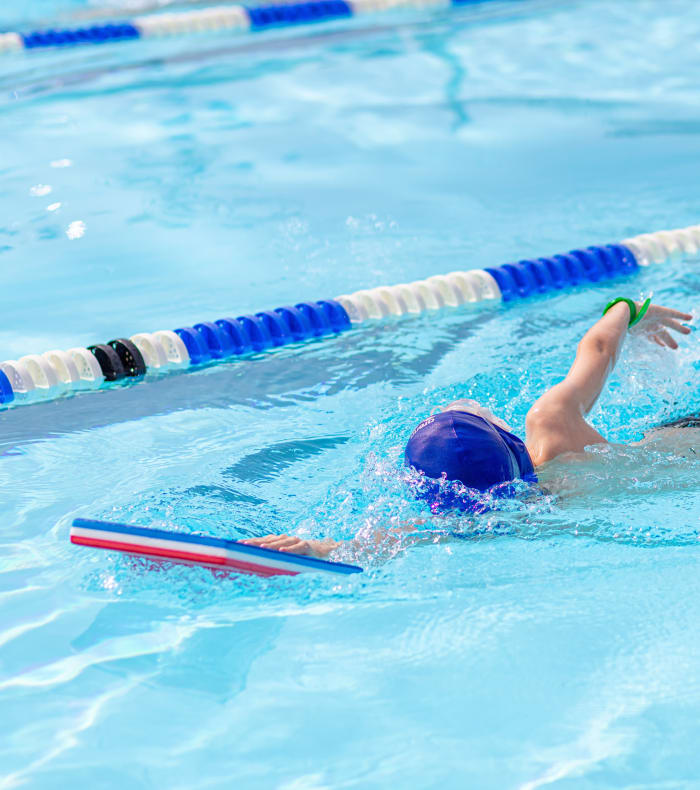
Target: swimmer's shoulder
x,y
552,432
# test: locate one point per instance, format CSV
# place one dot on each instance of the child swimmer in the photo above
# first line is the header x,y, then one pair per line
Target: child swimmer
x,y
468,444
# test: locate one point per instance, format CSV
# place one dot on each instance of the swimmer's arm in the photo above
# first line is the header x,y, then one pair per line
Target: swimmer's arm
x,y
294,545
596,356
388,539
556,422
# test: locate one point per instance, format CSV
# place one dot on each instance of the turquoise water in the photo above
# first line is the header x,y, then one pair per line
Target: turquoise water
x,y
150,185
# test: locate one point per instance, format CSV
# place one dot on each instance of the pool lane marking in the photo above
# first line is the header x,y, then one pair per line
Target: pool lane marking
x,y
51,375
219,17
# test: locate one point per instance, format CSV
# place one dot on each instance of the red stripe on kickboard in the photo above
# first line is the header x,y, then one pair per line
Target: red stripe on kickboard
x,y
188,558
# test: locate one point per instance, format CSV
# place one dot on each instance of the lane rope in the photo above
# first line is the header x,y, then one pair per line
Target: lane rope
x,y
58,373
241,18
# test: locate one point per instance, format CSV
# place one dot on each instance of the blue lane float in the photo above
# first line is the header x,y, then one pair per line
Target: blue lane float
x,y
95,34
525,278
56,373
6,393
211,340
296,13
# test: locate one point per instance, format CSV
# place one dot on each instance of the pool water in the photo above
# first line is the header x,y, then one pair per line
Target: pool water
x,y
149,185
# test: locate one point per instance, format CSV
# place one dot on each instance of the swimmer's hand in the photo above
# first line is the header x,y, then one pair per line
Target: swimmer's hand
x,y
289,543
658,321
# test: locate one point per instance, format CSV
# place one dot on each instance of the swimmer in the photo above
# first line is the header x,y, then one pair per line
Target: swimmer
x,y
466,443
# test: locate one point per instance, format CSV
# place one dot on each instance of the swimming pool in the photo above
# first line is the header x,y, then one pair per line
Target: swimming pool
x,y
152,184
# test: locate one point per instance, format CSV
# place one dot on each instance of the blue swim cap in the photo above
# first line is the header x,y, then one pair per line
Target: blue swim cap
x,y
466,448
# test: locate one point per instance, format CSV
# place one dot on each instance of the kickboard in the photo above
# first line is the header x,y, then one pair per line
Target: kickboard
x,y
217,553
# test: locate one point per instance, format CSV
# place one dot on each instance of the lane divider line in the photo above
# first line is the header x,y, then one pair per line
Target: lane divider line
x,y
221,17
57,373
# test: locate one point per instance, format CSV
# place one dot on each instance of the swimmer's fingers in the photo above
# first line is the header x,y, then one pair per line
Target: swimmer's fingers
x,y
304,547
663,338
662,315
269,541
258,541
293,545
676,326
658,320
667,312
286,543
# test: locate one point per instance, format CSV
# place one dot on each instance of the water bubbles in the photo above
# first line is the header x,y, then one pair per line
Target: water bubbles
x,y
76,230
